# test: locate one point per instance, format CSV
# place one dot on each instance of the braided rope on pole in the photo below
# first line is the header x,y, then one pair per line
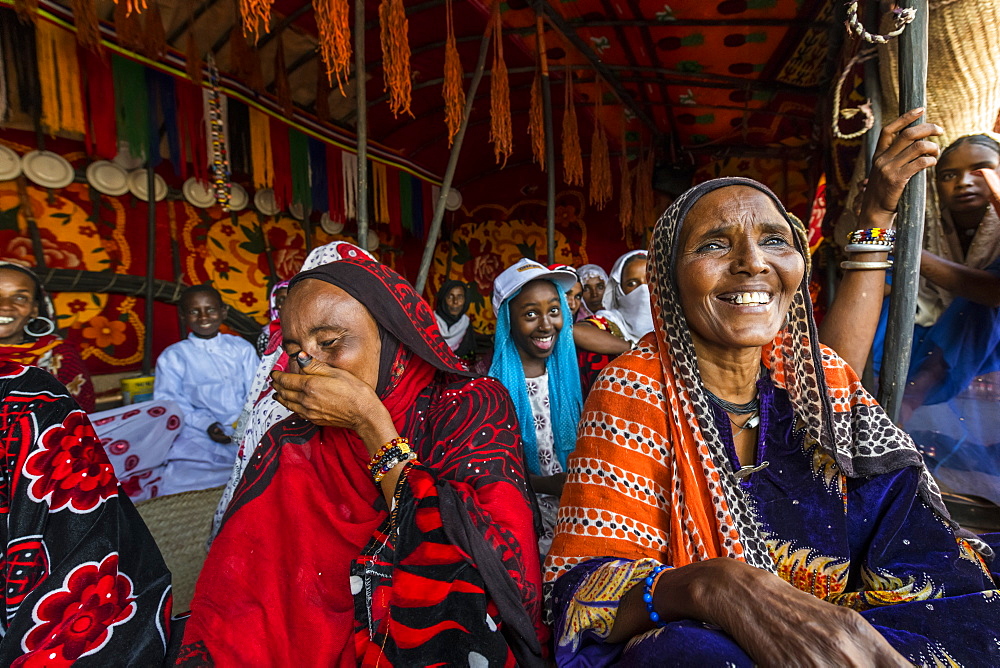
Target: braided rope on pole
x,y
903,18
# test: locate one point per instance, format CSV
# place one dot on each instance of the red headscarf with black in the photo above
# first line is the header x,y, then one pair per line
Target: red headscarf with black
x,y
308,568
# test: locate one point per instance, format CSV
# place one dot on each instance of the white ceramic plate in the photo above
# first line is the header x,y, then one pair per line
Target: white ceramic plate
x,y
137,185
372,241
297,211
453,202
47,169
329,225
197,194
10,164
238,198
264,200
107,178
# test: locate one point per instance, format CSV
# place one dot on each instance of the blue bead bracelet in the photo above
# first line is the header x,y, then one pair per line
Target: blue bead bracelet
x,y
647,595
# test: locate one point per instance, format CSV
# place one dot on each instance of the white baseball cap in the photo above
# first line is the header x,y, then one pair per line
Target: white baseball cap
x,y
514,277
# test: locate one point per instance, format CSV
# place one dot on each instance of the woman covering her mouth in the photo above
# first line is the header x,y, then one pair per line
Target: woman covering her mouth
x,y
736,496
535,358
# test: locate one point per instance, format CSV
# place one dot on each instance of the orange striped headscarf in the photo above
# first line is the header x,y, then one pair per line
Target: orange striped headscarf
x,y
650,477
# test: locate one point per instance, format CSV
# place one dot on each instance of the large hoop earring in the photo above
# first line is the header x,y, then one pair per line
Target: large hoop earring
x,y
49,327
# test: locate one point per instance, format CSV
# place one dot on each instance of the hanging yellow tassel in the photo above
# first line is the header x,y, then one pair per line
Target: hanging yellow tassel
x,y
88,28
59,79
453,91
396,55
536,121
600,159
626,206
256,15
322,103
645,215
500,124
281,88
193,59
572,154
154,38
128,27
261,158
333,22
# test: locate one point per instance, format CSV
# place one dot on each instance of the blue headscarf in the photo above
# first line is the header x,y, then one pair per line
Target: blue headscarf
x,y
565,395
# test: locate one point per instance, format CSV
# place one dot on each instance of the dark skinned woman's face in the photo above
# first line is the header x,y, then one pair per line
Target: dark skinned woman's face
x,y
333,327
959,190
737,269
634,274
593,293
573,298
454,301
536,319
17,304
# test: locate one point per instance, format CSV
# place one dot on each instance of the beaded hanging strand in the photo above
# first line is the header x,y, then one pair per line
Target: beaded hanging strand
x,y
220,160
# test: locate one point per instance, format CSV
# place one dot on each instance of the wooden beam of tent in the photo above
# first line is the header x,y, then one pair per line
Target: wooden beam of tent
x,y
698,23
361,126
449,174
556,20
909,223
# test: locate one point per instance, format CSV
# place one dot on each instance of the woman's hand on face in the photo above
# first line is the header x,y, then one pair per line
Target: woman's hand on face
x,y
901,153
326,396
779,625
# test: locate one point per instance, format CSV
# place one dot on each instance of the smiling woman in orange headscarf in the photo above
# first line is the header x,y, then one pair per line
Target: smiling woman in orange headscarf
x,y
730,456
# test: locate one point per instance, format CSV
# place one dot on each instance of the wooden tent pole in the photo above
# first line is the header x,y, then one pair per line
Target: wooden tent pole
x,y
909,223
147,346
550,143
361,100
449,174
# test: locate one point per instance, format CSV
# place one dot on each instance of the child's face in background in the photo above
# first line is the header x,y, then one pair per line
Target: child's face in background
x,y
203,314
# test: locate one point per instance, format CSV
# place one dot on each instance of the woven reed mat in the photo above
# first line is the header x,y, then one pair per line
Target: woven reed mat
x,y
180,524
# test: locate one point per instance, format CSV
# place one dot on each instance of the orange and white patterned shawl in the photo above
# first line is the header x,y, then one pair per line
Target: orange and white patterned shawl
x,y
650,477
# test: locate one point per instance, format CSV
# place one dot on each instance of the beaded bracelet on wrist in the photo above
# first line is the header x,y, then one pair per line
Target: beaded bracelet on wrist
x,y
388,456
873,235
389,465
647,594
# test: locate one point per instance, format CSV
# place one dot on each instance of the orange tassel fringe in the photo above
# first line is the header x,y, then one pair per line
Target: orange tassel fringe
x,y
536,121
256,16
600,159
572,154
501,134
88,28
281,88
453,92
128,26
154,38
645,215
626,204
132,6
333,22
396,55
59,79
193,59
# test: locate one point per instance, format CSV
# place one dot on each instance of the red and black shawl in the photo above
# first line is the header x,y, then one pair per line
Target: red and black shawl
x,y
306,569
83,581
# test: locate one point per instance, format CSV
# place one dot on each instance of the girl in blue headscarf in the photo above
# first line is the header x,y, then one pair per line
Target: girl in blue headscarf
x,y
535,358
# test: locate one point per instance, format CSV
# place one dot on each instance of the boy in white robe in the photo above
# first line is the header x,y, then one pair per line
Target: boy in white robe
x,y
208,375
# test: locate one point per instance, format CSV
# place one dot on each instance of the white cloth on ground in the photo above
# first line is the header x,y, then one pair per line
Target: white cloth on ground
x,y
209,380
137,438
